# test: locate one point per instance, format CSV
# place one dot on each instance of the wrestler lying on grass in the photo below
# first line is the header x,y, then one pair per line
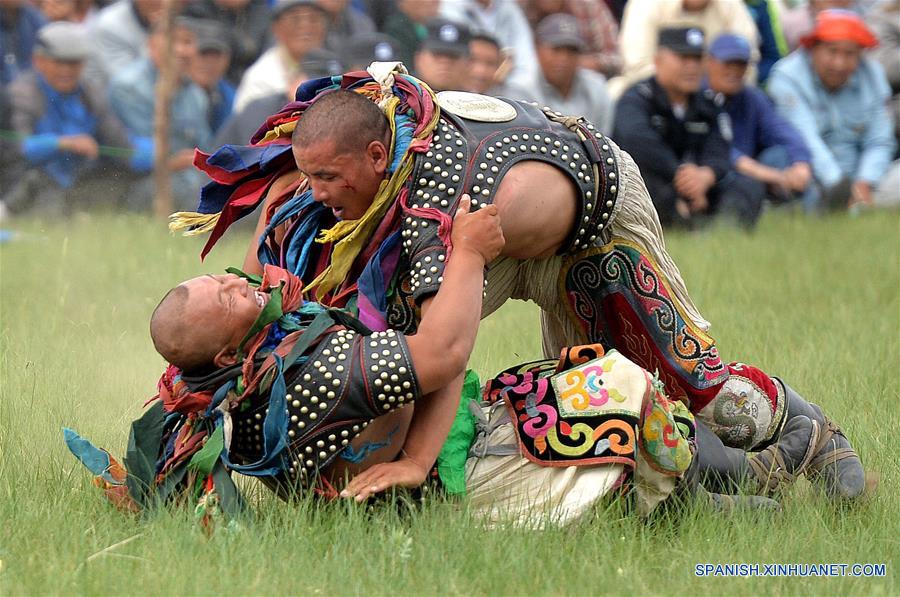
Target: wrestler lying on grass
x,y
266,384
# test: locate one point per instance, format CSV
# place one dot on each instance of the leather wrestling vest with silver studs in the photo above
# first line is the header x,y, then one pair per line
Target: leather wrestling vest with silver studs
x,y
348,380
472,156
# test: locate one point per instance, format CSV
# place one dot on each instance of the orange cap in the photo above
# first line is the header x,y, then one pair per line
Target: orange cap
x,y
840,25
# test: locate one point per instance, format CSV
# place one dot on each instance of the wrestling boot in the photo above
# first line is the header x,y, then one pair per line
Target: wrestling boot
x,y
784,461
725,470
720,502
835,466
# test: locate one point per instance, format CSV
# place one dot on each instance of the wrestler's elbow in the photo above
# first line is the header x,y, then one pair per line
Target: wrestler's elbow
x,y
438,363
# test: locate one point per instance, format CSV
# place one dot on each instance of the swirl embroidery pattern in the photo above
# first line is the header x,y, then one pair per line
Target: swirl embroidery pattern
x,y
616,292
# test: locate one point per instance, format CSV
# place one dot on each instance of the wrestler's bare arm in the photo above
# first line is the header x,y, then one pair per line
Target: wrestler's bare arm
x,y
440,352
441,346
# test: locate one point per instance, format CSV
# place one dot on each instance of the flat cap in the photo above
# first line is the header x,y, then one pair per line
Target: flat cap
x,y
64,41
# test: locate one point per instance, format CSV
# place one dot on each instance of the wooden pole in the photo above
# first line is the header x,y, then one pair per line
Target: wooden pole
x,y
165,88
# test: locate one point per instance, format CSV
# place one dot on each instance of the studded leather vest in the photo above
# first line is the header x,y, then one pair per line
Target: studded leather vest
x,y
348,380
472,156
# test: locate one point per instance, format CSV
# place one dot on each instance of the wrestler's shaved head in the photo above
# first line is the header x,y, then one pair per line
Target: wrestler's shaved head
x,y
343,115
200,323
174,335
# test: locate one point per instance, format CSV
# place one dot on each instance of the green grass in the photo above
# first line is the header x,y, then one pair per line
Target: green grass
x,y
813,300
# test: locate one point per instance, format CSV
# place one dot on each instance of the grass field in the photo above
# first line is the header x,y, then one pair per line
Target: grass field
x,y
816,301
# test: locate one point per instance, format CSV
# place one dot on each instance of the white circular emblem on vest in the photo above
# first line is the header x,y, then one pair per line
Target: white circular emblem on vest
x,y
474,106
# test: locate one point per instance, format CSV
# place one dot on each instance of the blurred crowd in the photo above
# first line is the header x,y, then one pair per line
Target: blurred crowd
x,y
726,105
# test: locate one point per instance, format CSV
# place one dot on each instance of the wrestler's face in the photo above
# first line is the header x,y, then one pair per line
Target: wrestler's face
x,y
835,62
223,308
345,181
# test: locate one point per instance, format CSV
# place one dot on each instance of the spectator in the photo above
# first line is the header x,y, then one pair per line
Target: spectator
x,y
74,11
488,66
241,125
344,23
10,165
370,47
119,34
885,24
798,21
208,70
505,20
772,44
133,99
673,132
442,60
19,24
599,30
561,83
644,18
247,25
764,147
406,24
838,100
69,137
298,27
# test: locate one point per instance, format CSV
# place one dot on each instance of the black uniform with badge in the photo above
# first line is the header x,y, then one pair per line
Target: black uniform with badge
x,y
659,140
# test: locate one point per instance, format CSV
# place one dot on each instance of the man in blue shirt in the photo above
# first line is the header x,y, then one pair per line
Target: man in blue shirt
x,y
764,147
73,147
838,99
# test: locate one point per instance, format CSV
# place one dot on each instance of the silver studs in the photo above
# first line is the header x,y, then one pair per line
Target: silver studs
x,y
612,189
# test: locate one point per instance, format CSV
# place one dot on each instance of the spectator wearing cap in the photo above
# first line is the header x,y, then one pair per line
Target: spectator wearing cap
x,y
764,146
598,27
345,22
643,19
561,83
298,26
505,20
838,99
72,144
675,134
119,36
247,25
209,67
133,99
241,125
361,51
19,24
488,66
406,24
442,60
